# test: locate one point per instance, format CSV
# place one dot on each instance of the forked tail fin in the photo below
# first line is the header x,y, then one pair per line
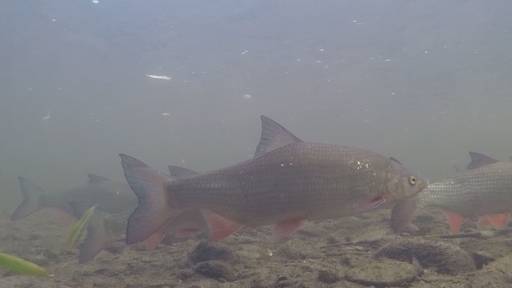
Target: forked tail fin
x,y
153,210
30,202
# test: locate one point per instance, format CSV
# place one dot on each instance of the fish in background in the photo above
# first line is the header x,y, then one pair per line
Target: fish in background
x,y
287,182
483,192
113,200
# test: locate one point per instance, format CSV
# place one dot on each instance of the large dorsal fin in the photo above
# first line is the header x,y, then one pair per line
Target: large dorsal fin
x,y
177,172
478,160
273,136
93,178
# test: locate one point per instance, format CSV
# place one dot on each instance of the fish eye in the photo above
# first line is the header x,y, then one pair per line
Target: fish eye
x,y
412,180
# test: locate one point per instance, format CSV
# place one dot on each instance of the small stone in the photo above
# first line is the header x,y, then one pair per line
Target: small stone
x,y
327,276
383,273
216,270
482,258
206,252
285,282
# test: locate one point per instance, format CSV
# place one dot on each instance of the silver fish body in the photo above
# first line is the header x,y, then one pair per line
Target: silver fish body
x,y
472,193
313,181
287,181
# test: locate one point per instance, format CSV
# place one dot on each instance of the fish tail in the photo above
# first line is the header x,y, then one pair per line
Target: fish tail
x,y
158,214
30,202
153,210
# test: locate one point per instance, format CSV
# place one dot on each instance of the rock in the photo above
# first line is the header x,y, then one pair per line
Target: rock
x,y
216,270
383,273
328,277
206,252
482,258
498,274
442,257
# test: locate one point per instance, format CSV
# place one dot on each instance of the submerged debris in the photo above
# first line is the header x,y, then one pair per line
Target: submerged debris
x,y
78,229
21,266
159,77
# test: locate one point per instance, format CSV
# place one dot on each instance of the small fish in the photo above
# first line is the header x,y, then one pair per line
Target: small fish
x,y
484,191
287,182
159,77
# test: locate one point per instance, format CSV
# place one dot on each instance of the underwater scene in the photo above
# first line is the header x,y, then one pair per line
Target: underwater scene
x,y
255,143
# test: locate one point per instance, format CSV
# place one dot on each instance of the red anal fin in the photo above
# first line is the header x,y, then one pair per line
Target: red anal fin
x,y
282,230
218,226
152,242
497,221
454,220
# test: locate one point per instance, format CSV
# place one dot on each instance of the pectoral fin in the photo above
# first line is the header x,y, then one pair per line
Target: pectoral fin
x,y
454,220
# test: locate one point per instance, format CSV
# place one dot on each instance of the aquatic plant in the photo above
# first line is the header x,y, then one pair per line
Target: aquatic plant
x,y
78,229
21,266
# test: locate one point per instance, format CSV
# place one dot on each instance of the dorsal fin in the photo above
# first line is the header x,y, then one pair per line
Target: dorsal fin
x,y
273,136
478,160
93,178
177,172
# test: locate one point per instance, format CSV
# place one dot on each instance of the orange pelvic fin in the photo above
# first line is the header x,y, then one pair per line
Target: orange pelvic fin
x,y
218,226
152,242
497,221
455,221
285,228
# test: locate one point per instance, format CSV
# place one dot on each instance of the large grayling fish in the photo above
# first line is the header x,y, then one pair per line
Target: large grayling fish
x,y
113,201
286,182
482,191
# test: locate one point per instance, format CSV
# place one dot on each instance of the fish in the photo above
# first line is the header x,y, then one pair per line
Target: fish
x,y
287,182
483,192
114,202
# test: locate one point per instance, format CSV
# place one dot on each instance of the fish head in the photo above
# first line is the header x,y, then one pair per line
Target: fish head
x,y
394,184
401,183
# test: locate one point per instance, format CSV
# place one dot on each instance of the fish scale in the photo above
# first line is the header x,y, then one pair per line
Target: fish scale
x,y
270,186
